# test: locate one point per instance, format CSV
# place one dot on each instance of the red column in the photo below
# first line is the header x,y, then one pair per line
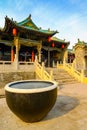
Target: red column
x,y
32,56
12,55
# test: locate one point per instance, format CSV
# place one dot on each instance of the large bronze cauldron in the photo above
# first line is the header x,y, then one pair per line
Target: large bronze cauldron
x,y
31,100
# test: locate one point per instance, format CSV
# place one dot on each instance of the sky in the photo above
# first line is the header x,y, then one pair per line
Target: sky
x,y
68,17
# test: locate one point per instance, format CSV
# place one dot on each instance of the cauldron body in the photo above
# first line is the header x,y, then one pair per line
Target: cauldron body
x,y
31,100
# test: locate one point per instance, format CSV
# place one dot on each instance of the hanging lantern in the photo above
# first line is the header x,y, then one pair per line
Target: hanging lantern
x,y
14,31
49,39
63,46
53,44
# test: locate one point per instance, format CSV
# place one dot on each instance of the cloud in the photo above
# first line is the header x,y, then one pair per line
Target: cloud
x,y
72,28
68,17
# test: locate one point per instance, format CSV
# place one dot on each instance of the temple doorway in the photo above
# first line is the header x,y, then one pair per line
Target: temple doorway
x,y
85,62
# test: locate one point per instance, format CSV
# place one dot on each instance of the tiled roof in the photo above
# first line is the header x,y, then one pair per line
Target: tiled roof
x,y
29,24
58,40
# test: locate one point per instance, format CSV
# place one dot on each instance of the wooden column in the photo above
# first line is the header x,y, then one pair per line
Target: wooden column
x,y
12,54
32,56
39,52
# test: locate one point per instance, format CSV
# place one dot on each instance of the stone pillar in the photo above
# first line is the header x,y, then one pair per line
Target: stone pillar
x,y
65,58
17,45
84,63
82,75
39,52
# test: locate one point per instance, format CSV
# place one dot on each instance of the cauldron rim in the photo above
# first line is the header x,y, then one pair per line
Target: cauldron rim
x,y
33,90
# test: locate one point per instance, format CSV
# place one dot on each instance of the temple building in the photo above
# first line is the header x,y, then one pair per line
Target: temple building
x,y
71,55
80,61
23,41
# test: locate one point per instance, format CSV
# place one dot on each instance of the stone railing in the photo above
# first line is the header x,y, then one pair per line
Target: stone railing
x,y
59,65
9,66
6,66
26,66
42,73
75,73
79,75
72,71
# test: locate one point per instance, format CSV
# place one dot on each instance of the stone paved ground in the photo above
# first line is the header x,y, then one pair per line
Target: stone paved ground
x,y
69,112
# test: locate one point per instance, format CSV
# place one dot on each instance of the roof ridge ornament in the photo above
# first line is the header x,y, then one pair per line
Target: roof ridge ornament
x,y
6,16
78,40
40,28
29,16
48,29
12,19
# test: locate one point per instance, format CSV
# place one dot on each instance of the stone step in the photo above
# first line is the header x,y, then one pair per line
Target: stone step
x,y
64,83
61,74
62,77
65,79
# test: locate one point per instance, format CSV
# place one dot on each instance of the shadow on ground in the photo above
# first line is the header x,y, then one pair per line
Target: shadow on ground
x,y
63,105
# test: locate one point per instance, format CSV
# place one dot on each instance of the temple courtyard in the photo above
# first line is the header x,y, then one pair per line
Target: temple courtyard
x,y
69,112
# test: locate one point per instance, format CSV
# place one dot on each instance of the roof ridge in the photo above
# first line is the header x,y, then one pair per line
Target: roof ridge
x,y
28,21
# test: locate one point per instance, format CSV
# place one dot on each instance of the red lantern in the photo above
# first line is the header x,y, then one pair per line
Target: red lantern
x,y
53,44
63,46
49,39
14,31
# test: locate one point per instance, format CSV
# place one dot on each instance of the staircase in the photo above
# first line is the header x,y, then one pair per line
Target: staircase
x,y
62,76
